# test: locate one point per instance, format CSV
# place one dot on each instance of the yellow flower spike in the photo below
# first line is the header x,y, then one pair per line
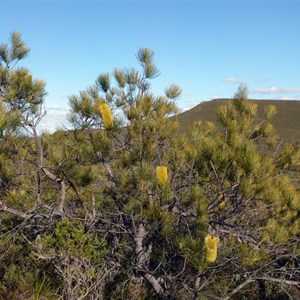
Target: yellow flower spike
x,y
211,241
241,172
211,245
221,205
106,116
211,255
162,175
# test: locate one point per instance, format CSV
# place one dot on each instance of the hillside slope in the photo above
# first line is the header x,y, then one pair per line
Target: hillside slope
x,y
287,120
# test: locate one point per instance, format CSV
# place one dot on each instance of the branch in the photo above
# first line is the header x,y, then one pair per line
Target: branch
x,y
244,237
13,211
238,288
27,215
214,170
142,258
46,171
62,185
280,280
63,196
277,280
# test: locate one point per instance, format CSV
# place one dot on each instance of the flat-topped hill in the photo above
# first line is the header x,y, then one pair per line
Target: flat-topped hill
x,y
287,119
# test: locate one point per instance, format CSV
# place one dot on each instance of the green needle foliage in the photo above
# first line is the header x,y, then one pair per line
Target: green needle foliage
x,y
84,216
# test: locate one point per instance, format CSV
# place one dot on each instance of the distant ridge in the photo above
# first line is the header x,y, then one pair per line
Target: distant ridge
x,y
287,120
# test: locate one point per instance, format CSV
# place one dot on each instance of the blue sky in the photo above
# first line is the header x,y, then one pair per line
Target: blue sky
x,y
207,47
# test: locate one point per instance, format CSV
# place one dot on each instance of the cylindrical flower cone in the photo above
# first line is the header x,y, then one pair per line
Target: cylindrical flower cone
x,y
221,205
211,245
162,175
211,255
106,116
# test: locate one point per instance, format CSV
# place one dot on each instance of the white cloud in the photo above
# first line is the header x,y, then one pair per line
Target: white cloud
x,y
232,80
50,123
55,118
289,98
274,90
188,105
56,107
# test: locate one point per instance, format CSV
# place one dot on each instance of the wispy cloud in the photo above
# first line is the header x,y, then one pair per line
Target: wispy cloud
x,y
60,96
232,80
186,94
56,107
289,98
274,90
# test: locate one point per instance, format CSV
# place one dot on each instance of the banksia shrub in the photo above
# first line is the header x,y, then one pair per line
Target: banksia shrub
x,y
211,245
106,116
162,175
